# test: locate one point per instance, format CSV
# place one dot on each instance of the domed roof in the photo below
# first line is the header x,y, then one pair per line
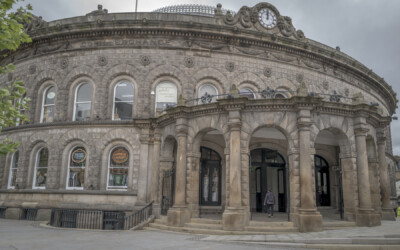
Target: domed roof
x,y
191,9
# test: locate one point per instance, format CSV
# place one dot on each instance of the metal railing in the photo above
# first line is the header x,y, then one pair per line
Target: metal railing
x,y
138,217
3,212
96,219
28,214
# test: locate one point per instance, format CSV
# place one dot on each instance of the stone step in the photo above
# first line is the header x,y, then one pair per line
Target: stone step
x,y
271,229
156,226
332,225
205,221
160,221
204,226
271,223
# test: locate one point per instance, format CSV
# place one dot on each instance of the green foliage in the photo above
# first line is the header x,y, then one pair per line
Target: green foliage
x,y
12,101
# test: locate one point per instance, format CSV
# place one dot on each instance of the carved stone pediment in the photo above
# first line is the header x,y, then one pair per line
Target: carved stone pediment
x,y
249,18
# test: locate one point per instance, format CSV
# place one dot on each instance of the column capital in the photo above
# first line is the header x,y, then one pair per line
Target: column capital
x,y
361,131
181,130
144,139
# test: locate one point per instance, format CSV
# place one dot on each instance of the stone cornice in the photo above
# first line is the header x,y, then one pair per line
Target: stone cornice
x,y
304,53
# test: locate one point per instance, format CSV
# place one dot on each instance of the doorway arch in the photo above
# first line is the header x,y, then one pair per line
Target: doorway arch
x,y
268,167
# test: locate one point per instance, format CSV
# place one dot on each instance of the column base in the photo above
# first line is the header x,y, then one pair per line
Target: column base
x,y
234,219
310,220
388,214
367,218
178,216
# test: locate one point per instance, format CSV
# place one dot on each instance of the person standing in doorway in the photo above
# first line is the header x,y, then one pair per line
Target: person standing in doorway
x,y
269,201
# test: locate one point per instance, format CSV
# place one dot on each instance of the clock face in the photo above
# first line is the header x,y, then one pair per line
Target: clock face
x,y
267,18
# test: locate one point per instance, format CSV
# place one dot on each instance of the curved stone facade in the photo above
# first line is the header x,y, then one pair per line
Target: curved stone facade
x,y
189,76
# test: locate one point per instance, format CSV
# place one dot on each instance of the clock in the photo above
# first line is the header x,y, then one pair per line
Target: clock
x,y
267,18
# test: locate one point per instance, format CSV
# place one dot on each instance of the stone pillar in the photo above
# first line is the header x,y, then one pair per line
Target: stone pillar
x,y
179,214
349,186
143,167
294,184
194,163
155,174
387,211
365,215
234,216
310,220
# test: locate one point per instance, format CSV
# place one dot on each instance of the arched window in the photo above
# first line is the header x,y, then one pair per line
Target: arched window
x,y
166,95
279,96
47,114
207,93
42,163
76,168
123,101
246,92
12,178
21,110
83,102
118,169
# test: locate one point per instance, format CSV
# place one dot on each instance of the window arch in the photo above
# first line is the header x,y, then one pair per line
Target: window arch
x,y
246,92
83,102
48,104
12,177
166,95
279,95
118,165
123,101
76,168
41,165
207,93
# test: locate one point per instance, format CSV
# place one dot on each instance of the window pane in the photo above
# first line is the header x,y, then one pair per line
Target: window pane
x,y
76,177
48,113
123,111
43,158
119,158
118,168
50,96
214,186
118,177
41,175
279,96
124,92
78,157
84,93
166,95
82,112
13,178
15,160
247,93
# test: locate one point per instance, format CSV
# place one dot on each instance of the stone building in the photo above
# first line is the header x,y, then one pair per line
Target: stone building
x,y
200,110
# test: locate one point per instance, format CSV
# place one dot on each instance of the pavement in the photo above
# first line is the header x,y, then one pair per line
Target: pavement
x,y
29,235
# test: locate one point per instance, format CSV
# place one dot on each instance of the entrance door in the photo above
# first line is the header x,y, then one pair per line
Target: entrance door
x,y
210,177
323,197
268,168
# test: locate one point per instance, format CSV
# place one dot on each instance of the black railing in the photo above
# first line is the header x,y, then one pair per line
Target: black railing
x,y
3,212
95,219
139,216
28,214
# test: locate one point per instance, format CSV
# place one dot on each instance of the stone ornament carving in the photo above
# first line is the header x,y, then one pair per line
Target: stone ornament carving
x,y
189,62
34,24
64,63
99,11
300,77
325,85
248,17
145,60
230,66
102,61
32,69
346,92
268,72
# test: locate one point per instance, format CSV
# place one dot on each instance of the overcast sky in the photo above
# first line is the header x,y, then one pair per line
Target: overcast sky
x,y
367,30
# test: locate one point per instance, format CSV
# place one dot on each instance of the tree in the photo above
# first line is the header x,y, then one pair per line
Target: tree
x,y
12,100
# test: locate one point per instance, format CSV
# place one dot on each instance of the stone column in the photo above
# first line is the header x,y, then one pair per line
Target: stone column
x,y
179,214
234,216
155,174
349,185
194,163
365,215
310,220
143,167
387,211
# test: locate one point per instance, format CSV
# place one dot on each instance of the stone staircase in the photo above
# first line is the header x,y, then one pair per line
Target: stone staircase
x,y
214,227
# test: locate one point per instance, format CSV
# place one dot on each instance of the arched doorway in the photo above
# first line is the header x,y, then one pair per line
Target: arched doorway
x,y
210,177
322,187
268,172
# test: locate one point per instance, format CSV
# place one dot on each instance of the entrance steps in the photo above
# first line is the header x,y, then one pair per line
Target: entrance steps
x,y
334,225
214,227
